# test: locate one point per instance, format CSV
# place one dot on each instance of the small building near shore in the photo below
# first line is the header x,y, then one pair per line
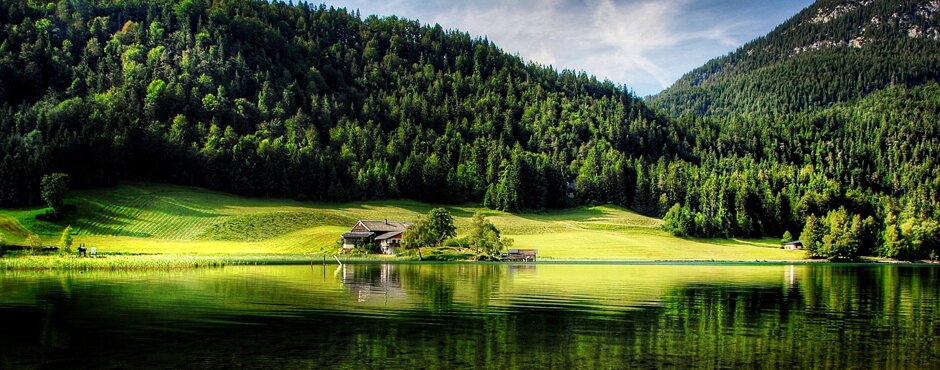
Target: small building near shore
x,y
387,235
794,245
525,255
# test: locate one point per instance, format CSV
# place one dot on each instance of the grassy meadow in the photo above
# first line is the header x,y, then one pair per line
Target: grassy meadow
x,y
168,219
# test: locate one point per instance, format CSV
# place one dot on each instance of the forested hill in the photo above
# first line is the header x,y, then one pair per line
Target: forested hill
x,y
826,128
302,101
832,51
311,102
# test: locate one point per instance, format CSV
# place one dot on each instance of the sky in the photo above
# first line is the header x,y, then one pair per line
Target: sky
x,y
643,44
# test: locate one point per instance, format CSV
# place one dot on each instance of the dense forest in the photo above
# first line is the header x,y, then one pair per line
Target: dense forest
x,y
312,102
298,101
834,114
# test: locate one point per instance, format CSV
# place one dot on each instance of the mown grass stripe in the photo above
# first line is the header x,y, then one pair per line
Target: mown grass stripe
x,y
189,220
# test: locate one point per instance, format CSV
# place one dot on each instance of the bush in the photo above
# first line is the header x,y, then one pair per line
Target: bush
x,y
458,243
679,221
485,237
33,243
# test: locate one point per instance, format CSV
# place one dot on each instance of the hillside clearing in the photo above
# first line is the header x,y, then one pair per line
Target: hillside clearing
x,y
156,218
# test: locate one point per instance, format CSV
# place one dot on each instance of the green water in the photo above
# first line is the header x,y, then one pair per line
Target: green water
x,y
475,316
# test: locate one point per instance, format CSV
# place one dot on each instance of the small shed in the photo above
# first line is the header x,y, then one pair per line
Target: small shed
x,y
525,255
794,245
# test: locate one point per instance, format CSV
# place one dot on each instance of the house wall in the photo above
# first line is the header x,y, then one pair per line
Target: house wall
x,y
359,228
390,246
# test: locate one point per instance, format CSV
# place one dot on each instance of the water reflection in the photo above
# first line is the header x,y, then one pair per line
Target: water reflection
x,y
476,315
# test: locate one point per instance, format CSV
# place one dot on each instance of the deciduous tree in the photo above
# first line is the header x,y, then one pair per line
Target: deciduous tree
x,y
54,186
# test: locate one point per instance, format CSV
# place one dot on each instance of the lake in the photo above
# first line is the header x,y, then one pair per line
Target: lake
x,y
448,316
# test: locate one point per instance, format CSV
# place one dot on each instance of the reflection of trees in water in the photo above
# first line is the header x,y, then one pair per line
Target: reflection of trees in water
x,y
435,284
486,280
835,316
819,316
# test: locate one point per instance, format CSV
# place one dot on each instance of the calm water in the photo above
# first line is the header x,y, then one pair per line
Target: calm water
x,y
475,316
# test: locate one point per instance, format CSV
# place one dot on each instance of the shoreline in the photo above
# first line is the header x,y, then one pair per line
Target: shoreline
x,y
118,262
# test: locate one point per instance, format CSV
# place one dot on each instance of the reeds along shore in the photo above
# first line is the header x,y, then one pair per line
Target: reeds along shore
x,y
113,262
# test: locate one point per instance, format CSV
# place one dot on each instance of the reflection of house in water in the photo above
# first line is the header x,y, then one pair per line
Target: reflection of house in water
x,y
519,269
790,277
373,281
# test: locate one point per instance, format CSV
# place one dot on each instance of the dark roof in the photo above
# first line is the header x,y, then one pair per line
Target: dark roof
x,y
793,242
388,235
357,235
382,226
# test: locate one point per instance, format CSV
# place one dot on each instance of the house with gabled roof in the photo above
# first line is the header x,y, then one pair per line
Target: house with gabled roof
x,y
387,235
792,246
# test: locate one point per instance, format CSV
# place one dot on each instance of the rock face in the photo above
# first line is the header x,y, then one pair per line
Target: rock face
x,y
830,37
825,15
907,22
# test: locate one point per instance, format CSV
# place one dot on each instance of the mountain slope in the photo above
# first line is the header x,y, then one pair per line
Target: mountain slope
x,y
832,118
299,101
832,51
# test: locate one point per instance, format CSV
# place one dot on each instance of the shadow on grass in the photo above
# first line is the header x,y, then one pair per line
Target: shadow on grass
x,y
576,214
96,218
100,221
736,242
408,205
11,227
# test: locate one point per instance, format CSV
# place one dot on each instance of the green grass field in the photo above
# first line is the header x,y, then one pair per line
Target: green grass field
x,y
155,218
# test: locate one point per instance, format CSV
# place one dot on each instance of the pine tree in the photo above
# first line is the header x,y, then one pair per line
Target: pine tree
x,y
65,241
812,235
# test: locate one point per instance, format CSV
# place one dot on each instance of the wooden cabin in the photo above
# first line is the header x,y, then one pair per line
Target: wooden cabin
x,y
525,255
794,245
387,235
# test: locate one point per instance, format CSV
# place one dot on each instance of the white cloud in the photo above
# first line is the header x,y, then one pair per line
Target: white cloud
x,y
630,33
645,44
